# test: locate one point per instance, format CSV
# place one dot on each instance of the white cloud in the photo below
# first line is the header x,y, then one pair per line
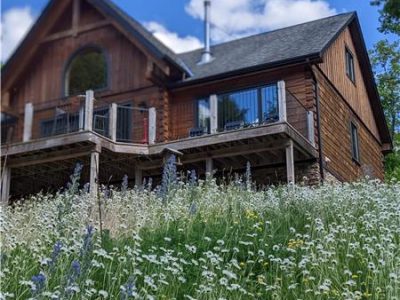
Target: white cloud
x,y
236,18
172,39
15,23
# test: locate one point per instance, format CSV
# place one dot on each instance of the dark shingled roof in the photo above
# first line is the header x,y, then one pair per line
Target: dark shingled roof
x,y
269,48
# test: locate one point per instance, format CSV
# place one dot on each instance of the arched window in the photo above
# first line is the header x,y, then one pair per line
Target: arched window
x,y
86,71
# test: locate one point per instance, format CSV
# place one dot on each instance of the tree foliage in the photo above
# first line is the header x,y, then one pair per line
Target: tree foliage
x,y
390,15
385,59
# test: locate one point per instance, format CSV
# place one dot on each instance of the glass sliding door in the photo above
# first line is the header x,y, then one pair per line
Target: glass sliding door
x,y
239,107
243,108
269,98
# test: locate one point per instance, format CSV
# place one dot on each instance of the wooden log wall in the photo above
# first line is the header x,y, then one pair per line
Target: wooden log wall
x,y
334,67
44,79
336,115
183,105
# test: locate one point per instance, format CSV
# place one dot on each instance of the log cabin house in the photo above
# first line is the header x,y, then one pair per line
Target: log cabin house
x,y
90,84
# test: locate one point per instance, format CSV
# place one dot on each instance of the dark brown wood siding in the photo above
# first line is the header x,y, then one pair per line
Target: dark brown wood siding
x,y
336,117
182,104
334,67
42,82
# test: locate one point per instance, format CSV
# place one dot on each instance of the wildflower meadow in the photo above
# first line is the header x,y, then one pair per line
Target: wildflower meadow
x,y
196,239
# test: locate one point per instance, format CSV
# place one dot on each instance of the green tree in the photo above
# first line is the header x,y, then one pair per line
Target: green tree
x,y
392,160
390,15
385,58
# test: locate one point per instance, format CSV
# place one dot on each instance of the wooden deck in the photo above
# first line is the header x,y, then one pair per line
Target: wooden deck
x,y
48,162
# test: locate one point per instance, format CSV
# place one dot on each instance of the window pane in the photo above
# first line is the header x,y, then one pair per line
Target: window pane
x,y
350,65
238,107
203,114
87,71
269,96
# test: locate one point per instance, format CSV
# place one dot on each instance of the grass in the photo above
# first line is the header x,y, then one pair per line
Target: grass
x,y
200,240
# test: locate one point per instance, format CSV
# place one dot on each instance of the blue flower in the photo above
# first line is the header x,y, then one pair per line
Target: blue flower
x,y
87,240
39,281
129,289
169,176
56,252
193,178
76,268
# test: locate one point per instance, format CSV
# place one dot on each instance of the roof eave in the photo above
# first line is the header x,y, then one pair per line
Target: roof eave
x,y
315,58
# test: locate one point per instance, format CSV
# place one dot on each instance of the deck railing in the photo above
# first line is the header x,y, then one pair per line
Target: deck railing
x,y
207,116
126,123
118,122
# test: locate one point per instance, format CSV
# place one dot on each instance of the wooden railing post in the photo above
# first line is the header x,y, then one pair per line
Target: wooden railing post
x,y
82,106
310,127
113,122
152,125
28,122
89,99
282,101
213,113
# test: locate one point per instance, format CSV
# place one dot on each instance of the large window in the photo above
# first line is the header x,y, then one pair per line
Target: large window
x,y
248,107
355,151
86,71
350,65
241,108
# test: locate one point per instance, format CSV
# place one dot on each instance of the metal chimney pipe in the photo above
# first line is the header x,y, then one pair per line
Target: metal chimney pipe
x,y
206,55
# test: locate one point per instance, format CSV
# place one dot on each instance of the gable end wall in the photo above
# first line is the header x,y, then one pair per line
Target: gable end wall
x,y
336,115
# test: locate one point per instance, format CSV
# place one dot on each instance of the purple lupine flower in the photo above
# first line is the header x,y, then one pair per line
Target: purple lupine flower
x,y
73,185
76,268
128,289
56,252
192,178
39,281
193,208
87,240
169,176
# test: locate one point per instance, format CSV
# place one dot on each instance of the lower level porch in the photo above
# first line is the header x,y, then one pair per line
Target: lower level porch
x,y
276,152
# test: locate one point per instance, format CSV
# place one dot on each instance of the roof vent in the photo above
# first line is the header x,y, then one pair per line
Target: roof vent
x,y
206,55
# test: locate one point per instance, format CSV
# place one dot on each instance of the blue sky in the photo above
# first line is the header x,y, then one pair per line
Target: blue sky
x,y
178,22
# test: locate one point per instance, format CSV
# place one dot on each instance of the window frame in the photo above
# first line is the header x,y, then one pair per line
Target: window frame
x,y
355,142
73,56
349,65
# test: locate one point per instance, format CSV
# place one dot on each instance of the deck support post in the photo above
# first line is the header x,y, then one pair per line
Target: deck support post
x,y
5,185
138,177
310,127
209,167
89,99
282,101
94,172
113,122
213,113
290,162
28,119
152,125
